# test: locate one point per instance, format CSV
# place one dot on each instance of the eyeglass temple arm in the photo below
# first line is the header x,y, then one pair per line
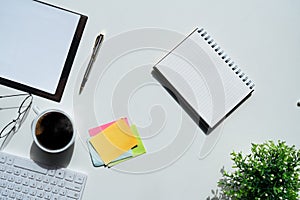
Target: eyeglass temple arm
x,y
12,95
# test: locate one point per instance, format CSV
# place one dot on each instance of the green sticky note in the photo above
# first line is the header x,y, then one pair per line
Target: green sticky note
x,y
136,151
140,149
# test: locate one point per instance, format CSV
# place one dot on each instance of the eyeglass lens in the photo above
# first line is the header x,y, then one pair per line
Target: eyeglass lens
x,y
14,125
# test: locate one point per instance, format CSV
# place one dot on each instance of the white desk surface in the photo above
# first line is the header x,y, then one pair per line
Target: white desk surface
x,y
263,37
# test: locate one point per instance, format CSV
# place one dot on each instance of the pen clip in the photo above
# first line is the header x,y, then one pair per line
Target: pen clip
x,y
96,41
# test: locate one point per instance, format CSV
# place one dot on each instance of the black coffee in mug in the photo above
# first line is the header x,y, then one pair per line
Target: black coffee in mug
x,y
54,130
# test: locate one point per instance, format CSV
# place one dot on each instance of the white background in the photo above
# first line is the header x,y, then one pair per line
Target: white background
x,y
263,37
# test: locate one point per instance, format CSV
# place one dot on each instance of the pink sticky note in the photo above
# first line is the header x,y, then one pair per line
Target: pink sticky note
x,y
98,129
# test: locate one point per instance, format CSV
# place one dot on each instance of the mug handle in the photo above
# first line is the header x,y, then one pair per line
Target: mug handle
x,y
36,109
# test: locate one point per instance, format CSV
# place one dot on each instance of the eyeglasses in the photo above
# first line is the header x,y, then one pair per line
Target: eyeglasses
x,y
13,126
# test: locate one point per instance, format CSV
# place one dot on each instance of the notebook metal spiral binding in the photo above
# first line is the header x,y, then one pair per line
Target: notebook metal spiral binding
x,y
226,58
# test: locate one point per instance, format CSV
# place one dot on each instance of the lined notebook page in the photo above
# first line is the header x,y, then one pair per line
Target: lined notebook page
x,y
203,78
35,39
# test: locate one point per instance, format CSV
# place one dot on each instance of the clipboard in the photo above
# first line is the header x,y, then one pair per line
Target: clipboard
x,y
39,42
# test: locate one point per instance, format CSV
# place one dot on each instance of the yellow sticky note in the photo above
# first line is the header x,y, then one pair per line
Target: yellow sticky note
x,y
114,141
136,151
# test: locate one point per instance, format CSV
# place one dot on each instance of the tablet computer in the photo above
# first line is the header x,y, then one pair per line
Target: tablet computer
x,y
39,42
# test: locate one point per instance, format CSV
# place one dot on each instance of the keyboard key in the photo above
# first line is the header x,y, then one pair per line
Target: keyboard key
x,y
11,178
25,182
32,192
9,161
3,176
10,186
46,180
28,198
39,177
62,192
40,194
32,184
24,173
12,194
73,186
18,188
60,174
69,177
40,186
18,180
2,158
51,172
72,194
53,181
31,175
29,165
61,183
47,196
17,172
79,179
3,184
55,197
9,170
25,190
2,168
55,190
4,193
48,188
19,196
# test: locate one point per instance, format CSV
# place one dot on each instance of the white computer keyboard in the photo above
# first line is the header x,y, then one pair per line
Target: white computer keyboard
x,y
23,179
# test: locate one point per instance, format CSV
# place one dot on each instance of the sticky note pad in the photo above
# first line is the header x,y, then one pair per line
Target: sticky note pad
x,y
114,141
136,151
95,157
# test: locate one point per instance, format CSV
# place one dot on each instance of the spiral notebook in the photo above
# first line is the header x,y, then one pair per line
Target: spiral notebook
x,y
203,79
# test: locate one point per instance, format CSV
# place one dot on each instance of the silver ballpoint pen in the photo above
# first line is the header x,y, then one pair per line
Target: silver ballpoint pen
x,y
96,48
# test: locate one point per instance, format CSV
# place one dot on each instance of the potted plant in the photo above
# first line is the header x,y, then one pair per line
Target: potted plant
x,y
271,171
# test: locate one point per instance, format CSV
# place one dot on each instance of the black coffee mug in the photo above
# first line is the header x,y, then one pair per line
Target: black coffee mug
x,y
53,130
